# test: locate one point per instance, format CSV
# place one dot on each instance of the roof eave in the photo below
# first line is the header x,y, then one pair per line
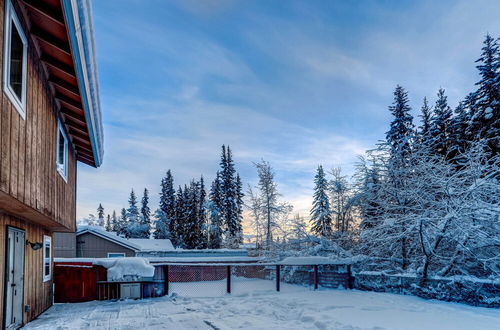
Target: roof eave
x,y
78,19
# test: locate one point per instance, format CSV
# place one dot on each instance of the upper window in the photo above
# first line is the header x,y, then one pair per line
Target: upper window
x,y
62,152
47,260
16,47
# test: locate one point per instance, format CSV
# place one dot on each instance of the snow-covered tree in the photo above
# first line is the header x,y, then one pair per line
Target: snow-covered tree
x,y
485,111
145,216
114,222
321,216
215,214
100,215
272,209
341,201
122,223
441,126
166,214
401,133
254,205
231,212
109,226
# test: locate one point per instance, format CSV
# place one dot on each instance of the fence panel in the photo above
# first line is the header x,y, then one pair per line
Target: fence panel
x,y
197,281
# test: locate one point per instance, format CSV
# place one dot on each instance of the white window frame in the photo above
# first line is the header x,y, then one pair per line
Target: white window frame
x,y
62,169
47,240
121,256
11,16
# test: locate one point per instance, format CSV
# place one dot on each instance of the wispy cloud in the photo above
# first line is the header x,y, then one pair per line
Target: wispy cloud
x,y
296,83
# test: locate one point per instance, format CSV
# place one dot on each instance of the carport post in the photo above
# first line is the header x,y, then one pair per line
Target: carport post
x,y
165,273
228,279
316,277
278,276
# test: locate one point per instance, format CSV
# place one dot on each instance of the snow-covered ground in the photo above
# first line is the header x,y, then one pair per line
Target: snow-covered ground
x,y
293,308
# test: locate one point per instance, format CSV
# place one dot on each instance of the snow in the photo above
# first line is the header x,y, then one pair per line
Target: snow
x,y
314,260
302,309
120,269
149,245
170,259
137,244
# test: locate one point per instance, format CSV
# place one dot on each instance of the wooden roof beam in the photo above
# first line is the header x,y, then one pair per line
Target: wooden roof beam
x,y
45,10
51,40
69,101
64,85
58,65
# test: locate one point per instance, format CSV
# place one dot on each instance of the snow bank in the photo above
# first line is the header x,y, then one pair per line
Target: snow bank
x,y
126,269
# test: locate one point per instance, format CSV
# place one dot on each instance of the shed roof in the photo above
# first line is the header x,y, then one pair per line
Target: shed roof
x,y
136,244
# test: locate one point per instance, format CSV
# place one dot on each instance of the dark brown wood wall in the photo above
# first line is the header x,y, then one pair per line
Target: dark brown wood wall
x,y
28,146
37,294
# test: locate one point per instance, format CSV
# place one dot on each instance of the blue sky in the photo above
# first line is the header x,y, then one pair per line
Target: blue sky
x,y
298,83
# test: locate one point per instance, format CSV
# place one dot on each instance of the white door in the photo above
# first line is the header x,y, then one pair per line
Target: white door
x,y
14,273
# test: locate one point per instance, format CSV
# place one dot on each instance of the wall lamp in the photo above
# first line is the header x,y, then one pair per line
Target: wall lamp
x,y
34,245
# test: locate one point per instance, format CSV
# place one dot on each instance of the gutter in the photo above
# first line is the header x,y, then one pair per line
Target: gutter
x,y
78,17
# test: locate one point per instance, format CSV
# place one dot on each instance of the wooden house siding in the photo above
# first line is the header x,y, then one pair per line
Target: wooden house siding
x,y
37,293
28,147
64,245
89,245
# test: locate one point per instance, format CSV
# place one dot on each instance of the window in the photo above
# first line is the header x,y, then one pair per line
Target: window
x,y
62,152
14,73
47,253
116,255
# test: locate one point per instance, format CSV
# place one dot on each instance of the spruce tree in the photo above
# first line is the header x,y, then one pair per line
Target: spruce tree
x,y
441,127
176,229
109,226
202,214
425,115
114,222
215,211
401,132
168,203
100,215
485,116
123,224
230,207
320,213
145,215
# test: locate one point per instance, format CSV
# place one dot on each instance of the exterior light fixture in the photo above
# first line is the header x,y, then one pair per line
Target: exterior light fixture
x,y
34,245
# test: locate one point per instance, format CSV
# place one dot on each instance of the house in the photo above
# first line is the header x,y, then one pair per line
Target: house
x,y
95,242
49,120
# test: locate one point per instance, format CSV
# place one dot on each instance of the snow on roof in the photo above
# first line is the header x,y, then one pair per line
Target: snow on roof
x,y
148,245
312,260
136,244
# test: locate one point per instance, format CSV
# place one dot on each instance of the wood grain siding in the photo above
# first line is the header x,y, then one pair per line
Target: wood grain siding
x,y
91,246
28,147
37,294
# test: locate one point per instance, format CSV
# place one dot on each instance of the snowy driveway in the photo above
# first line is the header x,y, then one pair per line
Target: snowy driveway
x,y
329,309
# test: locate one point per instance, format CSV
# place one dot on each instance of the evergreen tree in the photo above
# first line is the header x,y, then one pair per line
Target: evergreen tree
x,y
135,228
202,214
485,116
239,203
231,214
109,226
167,204
401,132
100,215
215,211
441,126
145,217
114,222
123,224
425,115
458,131
320,213
176,233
